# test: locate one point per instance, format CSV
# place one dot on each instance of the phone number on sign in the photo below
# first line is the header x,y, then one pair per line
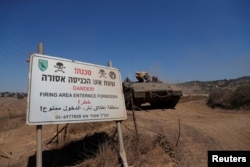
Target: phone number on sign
x,y
79,116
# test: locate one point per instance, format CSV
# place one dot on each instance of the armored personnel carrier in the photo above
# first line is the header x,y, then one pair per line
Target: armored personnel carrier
x,y
149,90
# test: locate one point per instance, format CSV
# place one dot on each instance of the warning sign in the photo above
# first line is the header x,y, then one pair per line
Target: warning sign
x,y
66,91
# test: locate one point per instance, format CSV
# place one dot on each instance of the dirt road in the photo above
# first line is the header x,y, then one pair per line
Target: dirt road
x,y
192,126
201,129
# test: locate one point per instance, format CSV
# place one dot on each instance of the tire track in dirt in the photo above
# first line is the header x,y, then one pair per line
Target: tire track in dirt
x,y
202,129
192,144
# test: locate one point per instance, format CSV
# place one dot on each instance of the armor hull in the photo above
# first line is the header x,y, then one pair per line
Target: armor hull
x,y
154,92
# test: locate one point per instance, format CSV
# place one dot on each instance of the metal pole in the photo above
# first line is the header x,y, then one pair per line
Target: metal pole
x,y
39,128
39,145
119,130
122,149
40,48
133,112
109,64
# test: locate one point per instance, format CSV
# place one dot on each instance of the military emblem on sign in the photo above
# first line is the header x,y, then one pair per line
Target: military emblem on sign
x,y
112,75
42,64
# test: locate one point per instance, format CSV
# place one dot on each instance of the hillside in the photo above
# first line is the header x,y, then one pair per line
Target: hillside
x,y
205,87
191,87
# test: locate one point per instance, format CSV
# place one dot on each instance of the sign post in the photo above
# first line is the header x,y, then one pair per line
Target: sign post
x,y
119,130
39,129
67,91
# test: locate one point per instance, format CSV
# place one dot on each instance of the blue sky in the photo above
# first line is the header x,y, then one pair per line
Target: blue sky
x,y
177,40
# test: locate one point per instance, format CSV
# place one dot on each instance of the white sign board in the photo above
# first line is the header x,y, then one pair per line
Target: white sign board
x,y
66,91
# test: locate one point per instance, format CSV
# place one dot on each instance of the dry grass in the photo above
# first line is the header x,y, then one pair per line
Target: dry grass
x,y
100,147
87,144
141,150
96,144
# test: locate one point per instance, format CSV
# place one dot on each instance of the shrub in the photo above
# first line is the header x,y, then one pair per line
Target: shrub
x,y
241,97
228,99
20,96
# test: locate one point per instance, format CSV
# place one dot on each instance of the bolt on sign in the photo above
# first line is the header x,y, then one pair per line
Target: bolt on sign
x,y
66,91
